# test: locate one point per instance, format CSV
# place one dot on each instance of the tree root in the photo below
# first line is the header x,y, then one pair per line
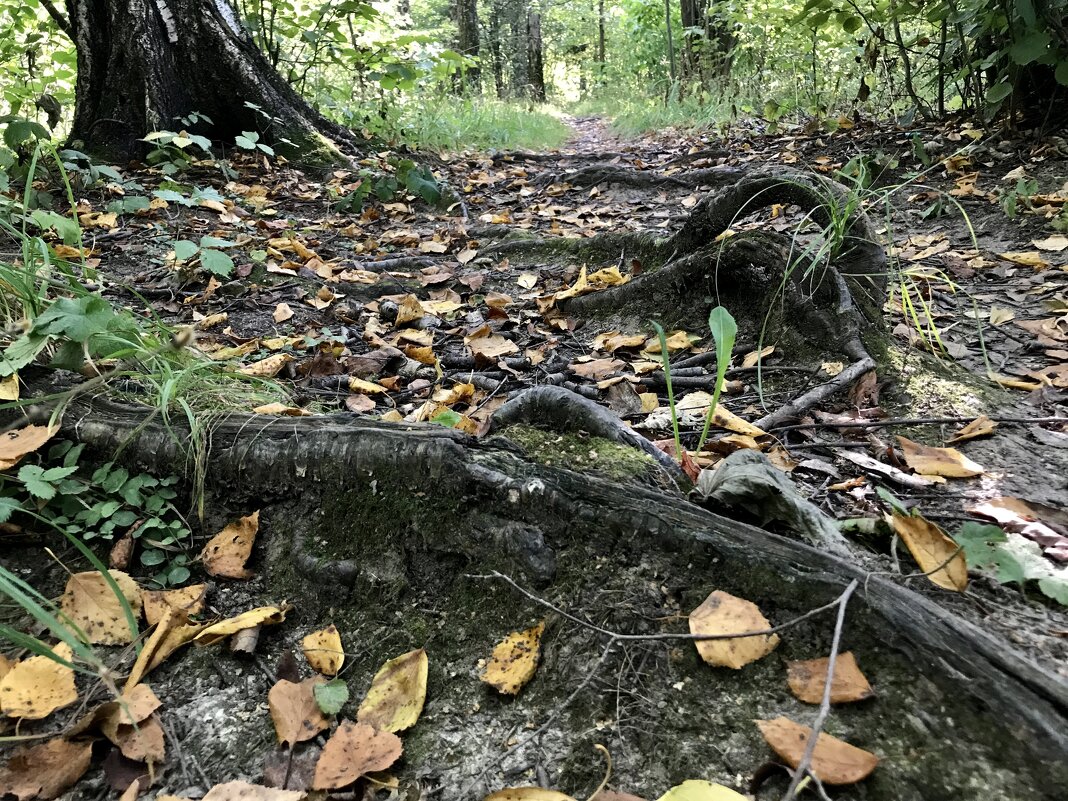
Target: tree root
x,y
419,505
643,179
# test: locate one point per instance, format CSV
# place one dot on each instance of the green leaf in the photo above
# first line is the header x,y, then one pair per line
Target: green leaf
x,y
152,556
700,790
54,474
124,518
998,92
76,319
1061,73
178,574
1031,47
724,331
31,477
247,140
331,696
217,262
215,242
447,417
8,506
184,250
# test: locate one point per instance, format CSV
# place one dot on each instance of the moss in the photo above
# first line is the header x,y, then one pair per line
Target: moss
x,y
585,454
939,386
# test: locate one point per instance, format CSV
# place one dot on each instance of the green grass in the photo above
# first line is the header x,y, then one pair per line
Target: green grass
x,y
633,115
456,124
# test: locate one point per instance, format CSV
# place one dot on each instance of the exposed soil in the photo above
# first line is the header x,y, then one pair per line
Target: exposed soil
x,y
663,715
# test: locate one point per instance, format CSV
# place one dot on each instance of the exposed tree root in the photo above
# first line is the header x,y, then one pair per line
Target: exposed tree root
x,y
421,505
643,179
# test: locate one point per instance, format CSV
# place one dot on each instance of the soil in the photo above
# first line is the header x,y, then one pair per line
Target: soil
x,y
663,715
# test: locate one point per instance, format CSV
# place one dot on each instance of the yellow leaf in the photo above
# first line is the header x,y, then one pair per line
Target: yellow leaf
x,y
189,599
1028,258
491,347
236,352
171,633
267,368
606,277
17,443
650,402
981,426
514,660
282,312
365,387
699,790
1000,316
281,409
698,403
243,791
808,677
930,547
398,691
260,616
9,388
323,650
755,357
226,553
580,287
527,280
833,762
93,607
409,310
676,341
723,613
930,461
38,686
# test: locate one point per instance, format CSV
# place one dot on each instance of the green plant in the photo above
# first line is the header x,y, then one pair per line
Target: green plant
x,y
1018,195
250,140
724,331
666,361
1014,561
208,254
175,152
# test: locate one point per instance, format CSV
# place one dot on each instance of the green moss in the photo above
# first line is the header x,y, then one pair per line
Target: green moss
x,y
585,454
940,386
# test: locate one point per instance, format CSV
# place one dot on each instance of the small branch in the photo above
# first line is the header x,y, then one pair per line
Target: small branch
x,y
825,704
817,394
57,16
918,421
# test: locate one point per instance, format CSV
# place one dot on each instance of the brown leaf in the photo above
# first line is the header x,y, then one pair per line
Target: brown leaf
x,y
808,677
295,713
355,750
142,742
723,613
981,426
36,687
93,606
833,762
47,770
930,547
16,444
243,791
930,461
226,553
514,660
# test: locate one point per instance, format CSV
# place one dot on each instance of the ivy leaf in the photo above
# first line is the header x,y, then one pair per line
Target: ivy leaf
x,y
331,696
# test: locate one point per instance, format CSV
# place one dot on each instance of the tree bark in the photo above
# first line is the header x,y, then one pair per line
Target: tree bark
x,y
535,57
142,64
465,13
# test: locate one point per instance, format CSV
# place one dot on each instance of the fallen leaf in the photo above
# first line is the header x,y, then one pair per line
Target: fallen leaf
x,y
528,794
97,611
723,613
1030,258
981,426
189,599
36,687
491,347
267,368
1055,243
931,547
930,461
45,771
699,790
226,553
527,280
833,761
398,691
260,616
16,444
755,357
172,632
1000,316
409,310
243,791
514,660
9,388
323,650
597,368
282,409
698,402
142,742
354,750
807,679
282,312
294,711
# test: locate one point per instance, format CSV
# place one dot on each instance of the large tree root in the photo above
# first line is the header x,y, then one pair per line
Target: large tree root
x,y
643,179
358,509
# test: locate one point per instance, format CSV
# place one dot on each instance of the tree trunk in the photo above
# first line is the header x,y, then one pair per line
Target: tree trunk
x,y
142,64
495,48
465,13
535,57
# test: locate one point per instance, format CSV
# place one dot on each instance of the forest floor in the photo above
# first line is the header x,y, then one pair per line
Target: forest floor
x,y
412,314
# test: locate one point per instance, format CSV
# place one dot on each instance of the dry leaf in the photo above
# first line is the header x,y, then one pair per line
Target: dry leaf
x,y
143,742
409,310
397,693
282,409
355,750
1055,243
9,388
282,312
981,426
930,547
294,711
698,403
723,613
698,790
755,357
929,461
514,660
1029,258
833,761
527,280
528,794
171,633
36,687
97,611
808,677
323,650
260,616
45,771
225,555
491,347
243,791
16,444
189,599
1000,316
269,367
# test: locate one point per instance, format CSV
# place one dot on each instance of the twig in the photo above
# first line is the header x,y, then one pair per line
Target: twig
x,y
918,421
825,705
